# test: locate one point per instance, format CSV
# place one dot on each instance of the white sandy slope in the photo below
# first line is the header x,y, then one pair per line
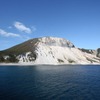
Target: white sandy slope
x,y
57,51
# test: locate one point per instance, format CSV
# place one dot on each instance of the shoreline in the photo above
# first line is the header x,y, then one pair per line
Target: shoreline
x,y
20,64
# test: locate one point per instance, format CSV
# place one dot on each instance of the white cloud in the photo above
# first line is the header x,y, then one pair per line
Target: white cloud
x,y
8,34
22,27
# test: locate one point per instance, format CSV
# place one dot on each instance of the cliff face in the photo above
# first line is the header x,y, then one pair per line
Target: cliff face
x,y
98,52
49,50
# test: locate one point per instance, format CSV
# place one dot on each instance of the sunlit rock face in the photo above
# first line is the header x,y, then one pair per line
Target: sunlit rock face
x,y
49,50
53,41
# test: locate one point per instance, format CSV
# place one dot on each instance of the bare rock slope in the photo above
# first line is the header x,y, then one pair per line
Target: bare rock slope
x,y
49,50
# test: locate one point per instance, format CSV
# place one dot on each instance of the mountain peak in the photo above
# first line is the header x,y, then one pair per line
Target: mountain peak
x,y
55,41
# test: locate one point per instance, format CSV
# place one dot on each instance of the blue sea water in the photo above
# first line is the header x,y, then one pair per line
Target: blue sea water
x,y
68,82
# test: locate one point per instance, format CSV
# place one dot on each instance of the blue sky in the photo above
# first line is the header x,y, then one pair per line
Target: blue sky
x,y
75,20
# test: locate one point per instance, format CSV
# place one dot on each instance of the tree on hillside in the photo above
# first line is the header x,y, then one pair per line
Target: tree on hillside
x,y
12,58
2,59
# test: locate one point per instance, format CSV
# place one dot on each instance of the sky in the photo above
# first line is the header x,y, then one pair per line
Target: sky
x,y
74,20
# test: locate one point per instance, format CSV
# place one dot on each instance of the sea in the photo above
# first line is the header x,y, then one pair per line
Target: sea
x,y
48,82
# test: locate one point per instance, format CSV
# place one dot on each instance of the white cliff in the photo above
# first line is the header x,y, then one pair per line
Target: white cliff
x,y
51,50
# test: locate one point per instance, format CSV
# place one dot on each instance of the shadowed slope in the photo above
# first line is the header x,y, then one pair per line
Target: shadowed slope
x,y
21,48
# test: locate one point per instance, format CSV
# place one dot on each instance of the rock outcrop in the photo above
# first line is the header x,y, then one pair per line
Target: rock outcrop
x,y
49,50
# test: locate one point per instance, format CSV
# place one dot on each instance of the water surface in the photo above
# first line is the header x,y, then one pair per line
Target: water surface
x,y
70,82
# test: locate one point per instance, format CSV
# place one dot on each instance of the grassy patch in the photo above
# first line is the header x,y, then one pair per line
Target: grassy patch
x,y
60,61
71,61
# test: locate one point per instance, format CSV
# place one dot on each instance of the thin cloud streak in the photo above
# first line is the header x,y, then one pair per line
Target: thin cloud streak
x,y
8,34
21,27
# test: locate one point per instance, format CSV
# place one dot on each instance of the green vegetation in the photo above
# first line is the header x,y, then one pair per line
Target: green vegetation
x,y
11,58
22,48
32,56
91,60
2,59
98,52
71,61
60,60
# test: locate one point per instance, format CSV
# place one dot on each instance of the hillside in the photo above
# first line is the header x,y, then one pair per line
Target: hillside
x,y
49,50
